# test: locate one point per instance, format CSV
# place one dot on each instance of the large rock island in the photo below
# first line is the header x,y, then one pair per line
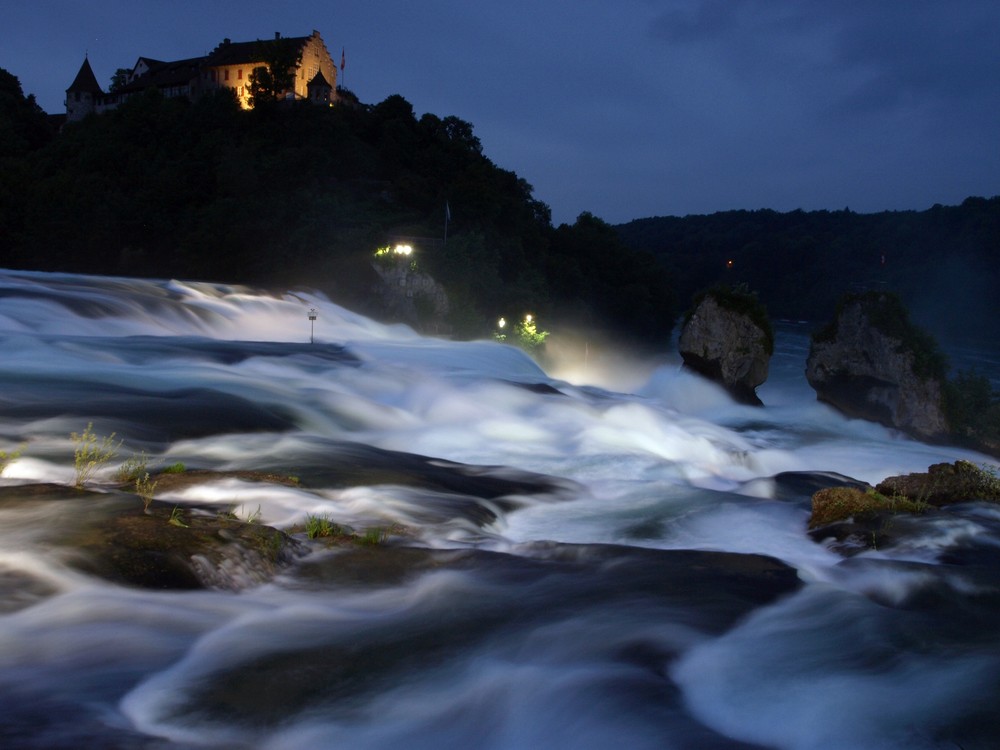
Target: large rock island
x,y
727,338
870,362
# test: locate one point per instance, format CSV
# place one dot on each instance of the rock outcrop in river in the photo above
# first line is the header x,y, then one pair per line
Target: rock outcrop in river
x,y
860,516
728,338
944,484
870,362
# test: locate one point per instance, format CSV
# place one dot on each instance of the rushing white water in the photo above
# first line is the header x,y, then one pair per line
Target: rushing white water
x,y
574,609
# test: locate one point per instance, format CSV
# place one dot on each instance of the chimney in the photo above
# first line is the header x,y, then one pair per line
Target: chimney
x,y
277,35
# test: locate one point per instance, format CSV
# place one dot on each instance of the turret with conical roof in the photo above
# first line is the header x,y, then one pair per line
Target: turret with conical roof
x,y
320,90
83,94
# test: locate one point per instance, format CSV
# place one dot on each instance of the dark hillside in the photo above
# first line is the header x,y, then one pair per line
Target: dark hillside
x,y
295,194
943,262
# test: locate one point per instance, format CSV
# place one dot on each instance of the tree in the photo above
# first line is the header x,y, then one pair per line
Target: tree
x,y
271,81
119,80
616,286
165,186
23,124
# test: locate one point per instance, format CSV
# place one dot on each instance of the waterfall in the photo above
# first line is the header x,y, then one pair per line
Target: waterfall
x,y
569,562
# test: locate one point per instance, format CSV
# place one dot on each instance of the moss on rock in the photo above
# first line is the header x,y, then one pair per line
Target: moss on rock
x,y
841,503
945,484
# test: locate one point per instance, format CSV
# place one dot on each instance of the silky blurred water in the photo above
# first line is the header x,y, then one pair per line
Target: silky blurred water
x,y
555,584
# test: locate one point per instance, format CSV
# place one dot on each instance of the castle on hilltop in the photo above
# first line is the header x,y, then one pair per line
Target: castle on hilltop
x,y
228,66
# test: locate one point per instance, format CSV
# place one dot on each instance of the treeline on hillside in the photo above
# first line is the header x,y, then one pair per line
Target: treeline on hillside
x,y
291,194
943,262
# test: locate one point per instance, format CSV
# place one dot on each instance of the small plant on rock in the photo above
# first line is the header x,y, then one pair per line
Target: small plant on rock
x,y
92,453
133,468
252,516
321,526
7,458
145,487
374,536
176,519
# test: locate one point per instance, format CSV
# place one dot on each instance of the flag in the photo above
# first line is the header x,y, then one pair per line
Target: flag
x,y
343,59
447,211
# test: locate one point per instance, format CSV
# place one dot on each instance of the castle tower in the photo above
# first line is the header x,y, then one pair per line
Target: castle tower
x,y
84,94
320,90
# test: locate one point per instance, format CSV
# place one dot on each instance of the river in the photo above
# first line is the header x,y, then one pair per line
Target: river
x,y
605,554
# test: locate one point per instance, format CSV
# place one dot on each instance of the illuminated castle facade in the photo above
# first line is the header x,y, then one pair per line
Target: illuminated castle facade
x,y
227,66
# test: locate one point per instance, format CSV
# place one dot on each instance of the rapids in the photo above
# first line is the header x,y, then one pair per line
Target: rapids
x,y
604,554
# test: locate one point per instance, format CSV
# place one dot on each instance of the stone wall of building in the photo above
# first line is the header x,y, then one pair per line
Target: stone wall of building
x,y
315,59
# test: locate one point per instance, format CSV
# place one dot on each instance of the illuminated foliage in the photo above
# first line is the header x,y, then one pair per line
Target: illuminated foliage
x,y
525,334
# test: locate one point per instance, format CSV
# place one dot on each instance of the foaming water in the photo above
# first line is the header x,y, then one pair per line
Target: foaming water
x,y
830,657
576,559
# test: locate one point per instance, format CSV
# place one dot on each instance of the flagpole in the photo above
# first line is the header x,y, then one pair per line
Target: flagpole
x,y
447,216
343,61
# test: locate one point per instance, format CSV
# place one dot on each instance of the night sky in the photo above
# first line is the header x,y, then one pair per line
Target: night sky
x,y
625,109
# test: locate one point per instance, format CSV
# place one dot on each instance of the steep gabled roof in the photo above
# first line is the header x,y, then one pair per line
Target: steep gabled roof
x,y
165,74
85,81
149,62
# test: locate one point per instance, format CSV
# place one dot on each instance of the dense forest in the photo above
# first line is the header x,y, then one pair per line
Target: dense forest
x,y
944,263
295,194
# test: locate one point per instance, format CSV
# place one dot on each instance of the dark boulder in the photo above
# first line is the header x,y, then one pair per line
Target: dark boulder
x,y
190,549
109,535
727,339
872,363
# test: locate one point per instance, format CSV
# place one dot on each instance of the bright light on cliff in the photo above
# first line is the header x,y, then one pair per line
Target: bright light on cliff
x,y
398,250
